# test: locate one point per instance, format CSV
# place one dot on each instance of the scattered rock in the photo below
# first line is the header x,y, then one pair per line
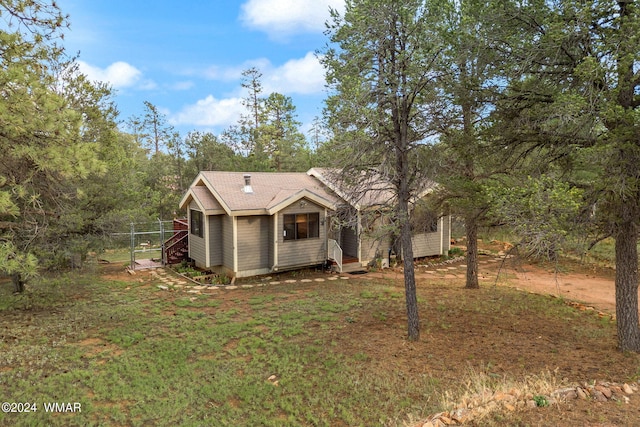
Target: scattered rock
x,y
569,393
163,287
460,415
446,420
605,391
273,380
475,407
598,396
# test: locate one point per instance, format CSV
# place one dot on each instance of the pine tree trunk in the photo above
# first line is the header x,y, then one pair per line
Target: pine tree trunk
x,y
627,287
18,283
471,226
413,318
402,169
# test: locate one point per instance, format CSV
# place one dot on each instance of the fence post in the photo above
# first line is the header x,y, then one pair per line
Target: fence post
x,y
132,266
161,242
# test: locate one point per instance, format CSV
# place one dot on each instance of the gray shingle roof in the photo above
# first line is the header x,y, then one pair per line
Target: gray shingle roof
x,y
205,198
269,189
364,190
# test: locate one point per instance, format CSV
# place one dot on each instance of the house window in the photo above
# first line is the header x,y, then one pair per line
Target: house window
x,y
196,223
301,226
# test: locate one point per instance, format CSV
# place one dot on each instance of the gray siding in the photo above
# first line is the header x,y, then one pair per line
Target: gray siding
x,y
426,244
253,242
215,240
227,242
373,242
271,238
197,250
374,247
294,253
446,234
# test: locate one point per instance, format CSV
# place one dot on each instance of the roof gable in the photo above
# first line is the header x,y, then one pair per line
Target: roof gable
x,y
364,191
271,191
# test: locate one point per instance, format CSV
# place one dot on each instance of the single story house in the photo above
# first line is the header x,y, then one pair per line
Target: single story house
x,y
247,224
250,224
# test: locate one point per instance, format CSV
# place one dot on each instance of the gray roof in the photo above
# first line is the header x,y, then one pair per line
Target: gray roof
x,y
271,191
360,191
363,189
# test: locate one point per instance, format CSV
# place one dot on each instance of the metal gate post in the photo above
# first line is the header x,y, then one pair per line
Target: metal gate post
x,y
132,266
161,242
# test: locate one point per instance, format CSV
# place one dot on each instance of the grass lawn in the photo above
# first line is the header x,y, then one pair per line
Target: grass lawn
x,y
318,354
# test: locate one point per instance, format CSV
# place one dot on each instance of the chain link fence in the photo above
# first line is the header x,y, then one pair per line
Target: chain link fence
x,y
142,246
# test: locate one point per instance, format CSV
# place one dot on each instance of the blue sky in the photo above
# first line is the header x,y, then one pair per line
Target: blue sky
x,y
187,57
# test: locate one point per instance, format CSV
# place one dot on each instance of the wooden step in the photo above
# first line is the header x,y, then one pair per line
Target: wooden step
x,y
350,267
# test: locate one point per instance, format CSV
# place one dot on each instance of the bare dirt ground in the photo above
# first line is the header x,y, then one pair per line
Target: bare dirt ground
x,y
594,289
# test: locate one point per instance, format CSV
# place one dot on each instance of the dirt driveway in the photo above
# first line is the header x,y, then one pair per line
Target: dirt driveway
x,y
594,289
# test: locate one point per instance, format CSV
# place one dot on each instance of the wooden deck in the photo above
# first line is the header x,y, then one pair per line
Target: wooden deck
x,y
145,264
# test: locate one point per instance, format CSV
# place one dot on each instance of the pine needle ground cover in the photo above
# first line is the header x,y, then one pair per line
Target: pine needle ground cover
x,y
304,353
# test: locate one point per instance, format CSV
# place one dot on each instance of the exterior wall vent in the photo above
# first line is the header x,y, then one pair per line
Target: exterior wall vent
x,y
247,184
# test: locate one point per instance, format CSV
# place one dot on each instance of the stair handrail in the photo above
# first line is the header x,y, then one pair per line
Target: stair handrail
x,y
175,243
335,253
173,248
177,236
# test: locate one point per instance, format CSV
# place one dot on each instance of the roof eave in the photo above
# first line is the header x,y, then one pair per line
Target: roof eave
x,y
302,194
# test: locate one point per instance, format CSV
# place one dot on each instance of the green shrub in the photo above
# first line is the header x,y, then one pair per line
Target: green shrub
x,y
455,252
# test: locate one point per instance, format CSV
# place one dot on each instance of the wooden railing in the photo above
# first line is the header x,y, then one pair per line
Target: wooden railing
x,y
335,253
176,249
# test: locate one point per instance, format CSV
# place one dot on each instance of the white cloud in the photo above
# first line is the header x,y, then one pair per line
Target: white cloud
x,y
303,76
210,112
119,74
184,85
235,73
278,17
